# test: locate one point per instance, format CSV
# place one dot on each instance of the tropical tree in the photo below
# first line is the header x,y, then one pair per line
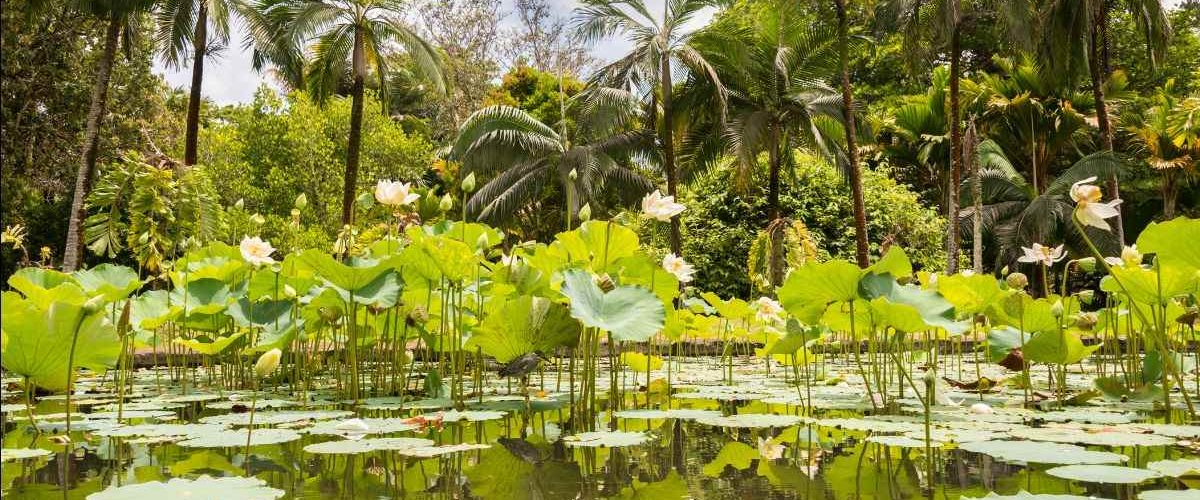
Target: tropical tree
x,y
122,19
660,47
1161,131
851,130
347,37
521,154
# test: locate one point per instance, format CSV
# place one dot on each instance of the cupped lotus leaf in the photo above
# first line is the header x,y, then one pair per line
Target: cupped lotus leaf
x,y
381,292
209,346
1102,437
1025,495
202,296
1042,452
1115,388
1169,495
1057,347
351,277
430,258
274,417
901,317
1173,241
596,245
227,488
471,233
1002,340
112,281
606,439
1107,474
261,436
1189,467
906,441
811,287
894,262
971,294
641,363
216,261
13,454
642,271
266,284
354,447
151,310
275,321
1151,286
629,313
934,309
734,454
1026,314
752,420
38,341
733,309
796,338
32,281
524,324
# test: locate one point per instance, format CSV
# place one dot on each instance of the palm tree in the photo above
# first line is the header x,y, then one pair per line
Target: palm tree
x,y
648,66
1158,130
774,67
348,37
184,23
122,19
851,129
522,154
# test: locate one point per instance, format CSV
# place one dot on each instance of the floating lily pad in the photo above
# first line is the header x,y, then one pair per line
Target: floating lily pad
x,y
349,447
903,442
680,414
435,451
1025,495
275,417
238,438
9,454
607,439
954,435
373,426
1087,416
261,404
471,415
863,425
1097,438
1176,468
1169,495
752,420
1108,474
225,488
1173,430
1042,452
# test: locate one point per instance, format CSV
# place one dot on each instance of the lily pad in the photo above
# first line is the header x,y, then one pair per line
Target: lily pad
x,y
235,439
226,488
1099,438
607,439
349,447
373,426
1169,495
1025,495
9,454
156,430
752,420
903,442
275,417
1176,468
435,451
1108,474
1042,453
680,414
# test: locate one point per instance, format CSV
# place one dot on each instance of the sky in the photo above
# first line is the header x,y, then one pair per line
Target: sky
x,y
229,79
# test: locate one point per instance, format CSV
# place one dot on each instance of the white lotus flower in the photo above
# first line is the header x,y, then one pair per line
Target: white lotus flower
x,y
267,363
659,207
256,251
1088,208
675,264
1130,256
981,409
395,193
1043,255
769,450
767,310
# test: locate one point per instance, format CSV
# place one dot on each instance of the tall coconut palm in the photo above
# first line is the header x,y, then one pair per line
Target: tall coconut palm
x,y
184,26
121,19
346,38
774,64
521,155
659,46
861,248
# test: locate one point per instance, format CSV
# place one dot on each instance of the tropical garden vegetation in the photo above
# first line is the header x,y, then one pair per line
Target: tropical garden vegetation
x,y
671,249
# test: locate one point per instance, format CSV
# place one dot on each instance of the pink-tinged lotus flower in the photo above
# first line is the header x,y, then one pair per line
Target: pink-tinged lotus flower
x,y
1043,255
767,310
256,251
395,193
1088,208
659,207
675,264
1130,256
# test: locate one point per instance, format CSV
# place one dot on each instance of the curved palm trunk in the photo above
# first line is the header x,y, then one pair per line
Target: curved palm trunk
x,y
860,212
775,264
200,48
956,147
1098,67
666,137
972,140
355,139
73,253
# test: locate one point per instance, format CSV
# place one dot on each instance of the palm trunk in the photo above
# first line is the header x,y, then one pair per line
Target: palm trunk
x,y
200,48
356,108
1098,67
860,212
976,198
73,253
1169,194
775,232
956,145
666,137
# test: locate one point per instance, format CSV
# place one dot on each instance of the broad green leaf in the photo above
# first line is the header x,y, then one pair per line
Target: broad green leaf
x,y
1002,340
627,312
810,288
595,245
1174,242
1027,314
734,309
1145,286
202,296
32,279
112,281
1060,348
353,276
640,270
973,294
895,262
641,363
432,258
524,324
38,341
209,346
149,310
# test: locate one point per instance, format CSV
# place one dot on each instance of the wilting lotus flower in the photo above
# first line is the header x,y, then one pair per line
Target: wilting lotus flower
x,y
267,363
767,310
1130,256
395,193
256,251
659,207
769,450
1043,255
1088,207
675,264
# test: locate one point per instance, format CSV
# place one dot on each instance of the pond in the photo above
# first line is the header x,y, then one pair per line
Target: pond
x,y
762,436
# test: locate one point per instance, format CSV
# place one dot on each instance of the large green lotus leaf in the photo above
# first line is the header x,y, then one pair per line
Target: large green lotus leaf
x,y
627,312
353,276
972,294
901,317
1143,285
431,258
895,262
271,285
274,320
595,245
1025,495
1174,241
523,324
795,339
1115,388
519,278
1042,453
907,308
202,296
734,309
1060,348
1025,313
1108,474
210,346
471,233
809,288
150,310
837,317
734,454
227,488
112,281
382,292
641,363
1002,340
38,341
1176,468
31,280
640,270
214,261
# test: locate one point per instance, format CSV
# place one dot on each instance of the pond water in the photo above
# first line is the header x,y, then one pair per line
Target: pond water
x,y
761,437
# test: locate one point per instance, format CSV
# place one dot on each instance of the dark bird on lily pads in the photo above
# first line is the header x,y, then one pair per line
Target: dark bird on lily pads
x,y
523,365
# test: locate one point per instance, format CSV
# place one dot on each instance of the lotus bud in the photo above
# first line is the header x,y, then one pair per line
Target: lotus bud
x,y
930,377
1087,264
289,292
267,363
1057,309
1017,281
301,201
574,174
418,316
240,204
468,183
482,241
1086,296
94,304
258,219
1086,320
446,203
585,213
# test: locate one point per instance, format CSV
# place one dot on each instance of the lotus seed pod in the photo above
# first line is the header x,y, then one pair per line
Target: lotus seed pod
x,y
605,283
1086,296
1017,281
1086,320
1087,264
468,183
585,213
267,363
